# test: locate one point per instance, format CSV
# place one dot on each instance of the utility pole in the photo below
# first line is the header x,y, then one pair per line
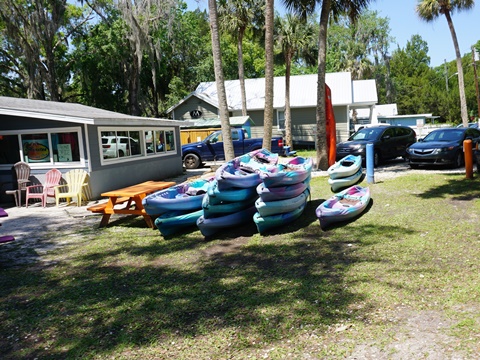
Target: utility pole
x,y
446,73
476,80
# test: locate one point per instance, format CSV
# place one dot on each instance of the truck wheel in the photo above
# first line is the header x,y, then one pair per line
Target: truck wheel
x,y
191,161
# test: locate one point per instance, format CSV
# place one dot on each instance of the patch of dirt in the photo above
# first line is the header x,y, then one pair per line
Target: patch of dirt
x,y
416,335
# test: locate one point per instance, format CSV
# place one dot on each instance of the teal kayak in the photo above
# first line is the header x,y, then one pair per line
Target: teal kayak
x,y
266,223
174,221
268,208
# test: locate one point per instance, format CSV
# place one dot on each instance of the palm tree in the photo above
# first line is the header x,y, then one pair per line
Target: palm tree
x,y
335,7
292,35
268,112
430,10
235,17
219,80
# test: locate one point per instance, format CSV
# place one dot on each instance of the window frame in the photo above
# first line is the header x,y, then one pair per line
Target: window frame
x,y
52,162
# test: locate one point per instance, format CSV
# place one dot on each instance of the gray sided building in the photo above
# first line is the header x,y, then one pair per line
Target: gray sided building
x,y
116,150
346,95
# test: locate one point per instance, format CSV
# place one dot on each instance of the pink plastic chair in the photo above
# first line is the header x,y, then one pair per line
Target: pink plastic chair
x,y
52,179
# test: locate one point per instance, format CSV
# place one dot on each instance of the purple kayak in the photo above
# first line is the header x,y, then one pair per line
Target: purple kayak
x,y
244,171
282,192
296,170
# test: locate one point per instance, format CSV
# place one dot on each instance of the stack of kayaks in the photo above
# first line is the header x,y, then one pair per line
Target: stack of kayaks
x,y
345,172
230,199
178,206
343,206
283,194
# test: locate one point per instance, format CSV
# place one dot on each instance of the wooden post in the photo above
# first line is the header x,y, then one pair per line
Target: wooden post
x,y
467,148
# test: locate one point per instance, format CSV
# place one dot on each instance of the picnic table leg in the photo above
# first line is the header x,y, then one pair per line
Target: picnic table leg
x,y
105,219
138,204
108,211
149,221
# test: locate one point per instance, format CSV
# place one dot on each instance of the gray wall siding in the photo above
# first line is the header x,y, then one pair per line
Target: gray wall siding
x,y
134,172
257,117
117,175
182,112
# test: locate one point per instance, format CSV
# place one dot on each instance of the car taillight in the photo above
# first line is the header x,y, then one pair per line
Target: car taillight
x,y
280,143
106,146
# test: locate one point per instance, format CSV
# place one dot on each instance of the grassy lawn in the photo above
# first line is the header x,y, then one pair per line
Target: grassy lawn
x,y
124,292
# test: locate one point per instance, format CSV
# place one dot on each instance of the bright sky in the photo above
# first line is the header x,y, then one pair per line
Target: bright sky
x,y
404,23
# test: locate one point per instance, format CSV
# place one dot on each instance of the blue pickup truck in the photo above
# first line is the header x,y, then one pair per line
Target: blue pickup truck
x,y
211,148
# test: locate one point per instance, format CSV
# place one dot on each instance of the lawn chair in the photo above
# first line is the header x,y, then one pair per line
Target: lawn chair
x,y
73,188
21,174
39,191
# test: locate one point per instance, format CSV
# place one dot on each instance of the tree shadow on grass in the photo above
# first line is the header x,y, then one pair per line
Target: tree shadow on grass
x,y
138,294
458,189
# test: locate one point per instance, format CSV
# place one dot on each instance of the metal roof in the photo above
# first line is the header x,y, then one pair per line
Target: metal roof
x,y
382,111
364,92
72,112
303,91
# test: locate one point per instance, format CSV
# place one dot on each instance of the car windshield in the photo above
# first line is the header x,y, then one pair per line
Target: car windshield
x,y
367,134
440,135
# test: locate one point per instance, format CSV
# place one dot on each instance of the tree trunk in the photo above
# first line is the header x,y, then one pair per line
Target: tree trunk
x,y
461,84
268,112
288,112
321,118
219,80
241,71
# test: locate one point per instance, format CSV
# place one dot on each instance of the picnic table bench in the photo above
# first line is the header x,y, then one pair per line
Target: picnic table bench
x,y
132,196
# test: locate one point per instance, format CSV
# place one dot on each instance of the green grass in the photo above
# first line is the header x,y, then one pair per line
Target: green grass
x,y
125,292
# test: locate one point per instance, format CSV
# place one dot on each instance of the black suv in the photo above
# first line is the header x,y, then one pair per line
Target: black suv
x,y
389,142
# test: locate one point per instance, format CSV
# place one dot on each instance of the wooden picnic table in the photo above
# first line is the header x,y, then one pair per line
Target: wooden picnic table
x,y
132,196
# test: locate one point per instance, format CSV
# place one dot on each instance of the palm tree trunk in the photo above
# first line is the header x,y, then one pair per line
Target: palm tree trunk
x,y
220,82
461,84
321,117
288,112
268,112
241,71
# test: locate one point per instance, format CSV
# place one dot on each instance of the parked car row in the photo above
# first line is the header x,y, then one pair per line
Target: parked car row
x,y
441,147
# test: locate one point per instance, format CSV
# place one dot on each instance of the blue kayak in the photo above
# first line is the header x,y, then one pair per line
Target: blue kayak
x,y
215,209
218,196
185,196
210,226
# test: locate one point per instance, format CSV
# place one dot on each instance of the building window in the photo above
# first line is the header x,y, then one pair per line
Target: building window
x,y
119,144
281,119
125,144
42,148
